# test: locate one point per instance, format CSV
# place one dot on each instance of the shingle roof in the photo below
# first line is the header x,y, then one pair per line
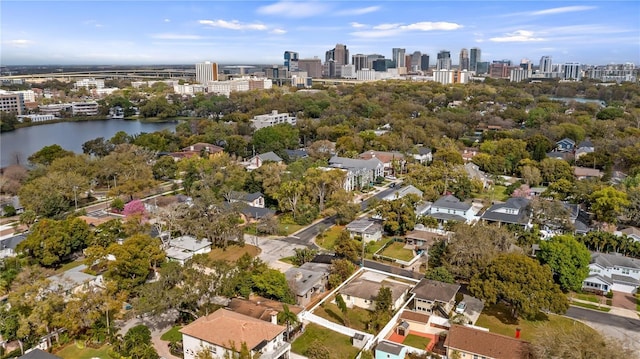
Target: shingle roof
x,y
585,143
497,211
600,278
364,225
450,201
389,347
224,326
38,354
485,343
613,260
260,308
343,162
12,242
434,290
269,156
624,279
366,289
385,157
303,279
415,317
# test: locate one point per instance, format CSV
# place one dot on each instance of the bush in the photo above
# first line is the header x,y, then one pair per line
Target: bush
x,y
9,211
609,294
117,204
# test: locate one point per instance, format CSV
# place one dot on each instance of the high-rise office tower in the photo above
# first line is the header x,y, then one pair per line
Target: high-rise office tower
x,y
572,71
545,64
291,60
313,67
359,61
474,58
371,58
444,60
424,62
339,54
415,60
526,65
206,71
464,59
399,57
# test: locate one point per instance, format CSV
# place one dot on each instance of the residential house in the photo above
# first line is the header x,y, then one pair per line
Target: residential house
x,y
586,173
362,292
223,332
557,155
308,281
469,153
38,354
261,308
250,199
14,202
8,245
583,148
403,191
390,350
612,272
565,145
183,248
514,211
359,173
412,322
368,229
423,154
433,297
73,281
392,162
421,239
201,149
579,218
258,160
631,232
474,172
471,343
450,208
294,155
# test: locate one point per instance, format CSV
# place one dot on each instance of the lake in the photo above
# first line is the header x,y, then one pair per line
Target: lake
x,y
23,142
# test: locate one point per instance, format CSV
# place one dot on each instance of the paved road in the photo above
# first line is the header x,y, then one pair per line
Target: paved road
x,y
392,269
305,236
380,195
625,329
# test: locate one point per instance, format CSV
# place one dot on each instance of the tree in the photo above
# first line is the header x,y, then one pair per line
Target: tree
x,y
276,138
165,168
347,248
577,342
441,274
51,242
343,308
290,195
568,259
137,344
134,260
288,317
383,310
551,214
303,255
317,350
98,147
607,204
272,284
323,183
398,215
47,154
553,170
523,283
340,270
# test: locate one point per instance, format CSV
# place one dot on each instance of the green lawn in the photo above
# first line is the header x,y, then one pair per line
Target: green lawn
x,y
588,297
287,229
72,351
358,317
591,306
498,319
65,267
373,247
339,345
233,252
416,341
172,335
330,236
638,302
397,250
495,193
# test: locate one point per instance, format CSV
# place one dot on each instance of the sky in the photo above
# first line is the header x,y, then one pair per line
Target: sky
x,y
258,32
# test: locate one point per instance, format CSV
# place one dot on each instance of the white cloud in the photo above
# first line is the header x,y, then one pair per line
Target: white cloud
x,y
562,10
387,30
233,25
93,23
278,31
357,25
294,9
517,36
19,43
167,20
169,36
358,11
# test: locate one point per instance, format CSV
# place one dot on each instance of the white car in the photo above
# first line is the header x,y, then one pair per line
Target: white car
x,y
461,307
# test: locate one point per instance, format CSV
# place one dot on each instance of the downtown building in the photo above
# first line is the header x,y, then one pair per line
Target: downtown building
x,y
613,73
335,59
444,60
206,72
475,56
313,67
464,61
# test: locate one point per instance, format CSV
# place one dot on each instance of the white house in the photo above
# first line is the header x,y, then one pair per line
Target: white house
x,y
423,154
223,332
433,297
612,272
258,160
362,293
73,280
272,119
631,232
183,248
359,173
514,211
450,208
403,191
368,229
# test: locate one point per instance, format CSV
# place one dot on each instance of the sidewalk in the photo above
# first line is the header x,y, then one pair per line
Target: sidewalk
x,y
612,310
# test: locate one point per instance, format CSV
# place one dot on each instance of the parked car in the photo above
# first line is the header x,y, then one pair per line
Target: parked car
x,y
460,308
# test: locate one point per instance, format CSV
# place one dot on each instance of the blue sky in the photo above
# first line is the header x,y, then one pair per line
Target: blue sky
x,y
258,32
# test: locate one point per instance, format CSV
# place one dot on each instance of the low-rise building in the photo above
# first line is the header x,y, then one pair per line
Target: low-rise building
x,y
368,229
90,108
390,350
73,281
402,192
467,342
223,332
392,162
359,173
514,211
434,297
450,208
362,292
586,173
272,119
258,160
423,154
308,281
612,272
565,145
8,245
183,248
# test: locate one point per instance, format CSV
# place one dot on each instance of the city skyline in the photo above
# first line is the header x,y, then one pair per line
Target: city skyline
x,y
259,32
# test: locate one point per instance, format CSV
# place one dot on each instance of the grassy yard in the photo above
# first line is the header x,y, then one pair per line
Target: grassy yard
x,y
416,341
330,237
591,306
373,247
287,229
358,317
65,267
172,335
233,252
498,319
339,345
495,193
397,250
588,297
73,351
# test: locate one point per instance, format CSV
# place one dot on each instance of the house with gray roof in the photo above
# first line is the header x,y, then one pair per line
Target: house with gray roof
x,y
432,294
308,281
38,354
258,160
73,280
403,191
584,147
368,229
8,245
360,173
183,248
390,350
361,292
612,272
255,199
514,211
450,208
631,232
565,145
422,154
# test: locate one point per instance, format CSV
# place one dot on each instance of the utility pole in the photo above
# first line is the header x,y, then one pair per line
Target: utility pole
x,y
75,196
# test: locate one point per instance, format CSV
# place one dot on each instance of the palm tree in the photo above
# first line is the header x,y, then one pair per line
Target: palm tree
x,y
288,317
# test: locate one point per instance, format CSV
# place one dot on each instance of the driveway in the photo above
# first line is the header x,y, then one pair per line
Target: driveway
x,y
623,300
274,249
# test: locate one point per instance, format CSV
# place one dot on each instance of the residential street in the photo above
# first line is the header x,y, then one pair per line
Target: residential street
x,y
624,329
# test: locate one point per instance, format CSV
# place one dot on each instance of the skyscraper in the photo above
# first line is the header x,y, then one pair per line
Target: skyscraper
x,y
206,71
545,64
572,71
399,57
313,67
415,60
291,60
474,58
371,58
424,62
360,61
340,57
444,60
464,59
